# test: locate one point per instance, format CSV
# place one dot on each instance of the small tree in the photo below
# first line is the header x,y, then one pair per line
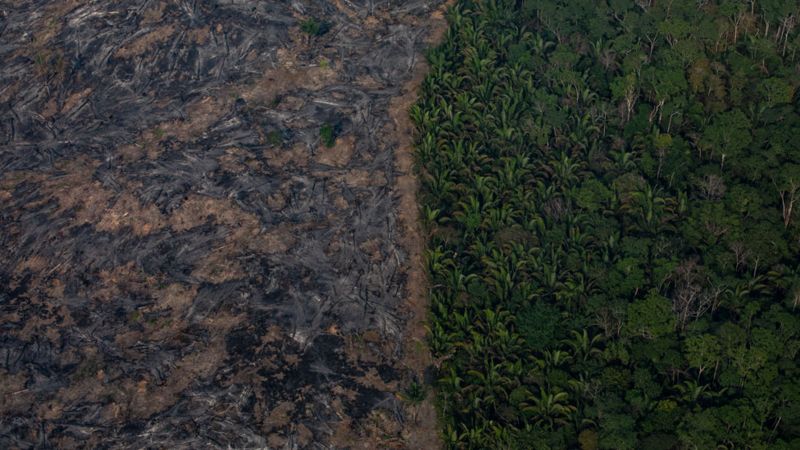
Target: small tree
x,y
414,395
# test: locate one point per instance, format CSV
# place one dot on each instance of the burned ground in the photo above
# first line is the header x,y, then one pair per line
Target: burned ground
x,y
183,263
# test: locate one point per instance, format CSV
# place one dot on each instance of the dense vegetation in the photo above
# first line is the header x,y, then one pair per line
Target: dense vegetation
x,y
611,194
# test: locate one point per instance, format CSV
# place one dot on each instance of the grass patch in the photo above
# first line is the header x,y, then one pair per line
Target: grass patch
x,y
327,133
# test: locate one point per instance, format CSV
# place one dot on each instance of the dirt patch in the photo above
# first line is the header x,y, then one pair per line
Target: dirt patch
x,y
128,211
199,35
147,41
125,278
279,157
417,357
338,155
72,185
356,178
279,416
150,399
286,79
52,107
218,268
237,160
244,235
177,297
200,115
153,13
197,210
14,396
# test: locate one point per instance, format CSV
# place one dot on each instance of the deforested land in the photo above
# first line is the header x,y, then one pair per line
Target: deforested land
x,y
202,243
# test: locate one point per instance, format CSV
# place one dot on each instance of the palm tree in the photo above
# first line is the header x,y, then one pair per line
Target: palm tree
x,y
414,395
549,409
651,207
555,358
488,387
540,46
438,260
439,341
583,346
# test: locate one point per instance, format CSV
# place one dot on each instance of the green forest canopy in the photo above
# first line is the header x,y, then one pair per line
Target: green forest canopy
x,y
610,191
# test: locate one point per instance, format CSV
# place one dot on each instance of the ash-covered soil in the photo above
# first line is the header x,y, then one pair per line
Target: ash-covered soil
x,y
183,263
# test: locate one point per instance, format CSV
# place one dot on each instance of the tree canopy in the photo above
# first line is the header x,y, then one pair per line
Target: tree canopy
x,y
609,190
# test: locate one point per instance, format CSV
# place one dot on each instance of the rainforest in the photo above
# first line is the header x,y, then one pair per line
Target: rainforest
x,y
609,196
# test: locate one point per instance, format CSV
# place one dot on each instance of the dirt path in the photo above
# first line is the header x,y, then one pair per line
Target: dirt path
x,y
183,263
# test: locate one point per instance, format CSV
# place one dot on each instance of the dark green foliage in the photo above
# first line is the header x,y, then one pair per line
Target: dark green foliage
x,y
611,191
314,27
538,325
327,133
415,393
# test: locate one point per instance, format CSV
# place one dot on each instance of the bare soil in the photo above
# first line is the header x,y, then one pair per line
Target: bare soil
x,y
183,264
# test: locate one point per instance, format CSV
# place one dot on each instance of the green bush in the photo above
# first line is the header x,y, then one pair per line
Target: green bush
x,y
314,27
327,133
